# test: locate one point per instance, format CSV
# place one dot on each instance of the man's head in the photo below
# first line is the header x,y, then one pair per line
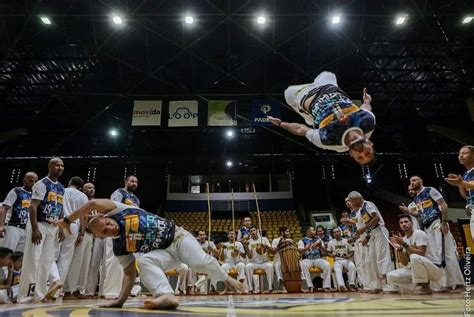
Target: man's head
x,y
29,180
362,150
310,232
355,199
253,233
320,231
231,235
76,182
466,156
89,190
336,233
5,254
405,223
247,222
55,167
17,260
348,203
131,183
103,227
202,236
416,183
284,232
411,191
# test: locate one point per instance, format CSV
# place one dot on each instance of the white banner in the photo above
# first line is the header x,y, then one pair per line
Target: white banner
x,y
183,113
146,112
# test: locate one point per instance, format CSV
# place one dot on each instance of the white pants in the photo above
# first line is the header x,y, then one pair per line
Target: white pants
x,y
278,272
97,264
421,270
323,265
453,271
361,254
254,281
239,267
379,260
64,254
37,261
76,279
113,272
184,278
184,249
14,239
349,266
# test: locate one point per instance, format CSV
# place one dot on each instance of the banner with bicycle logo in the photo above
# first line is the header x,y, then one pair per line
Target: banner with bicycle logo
x,y
260,109
183,113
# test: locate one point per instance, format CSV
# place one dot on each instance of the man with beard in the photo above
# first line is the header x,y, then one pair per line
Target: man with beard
x,y
420,265
465,183
338,124
162,244
256,248
310,248
285,235
379,261
18,200
433,214
41,234
342,252
233,253
412,209
126,195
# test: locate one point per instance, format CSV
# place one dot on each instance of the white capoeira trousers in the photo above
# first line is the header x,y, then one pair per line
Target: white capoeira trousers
x,y
253,281
37,261
64,255
379,260
278,272
239,267
113,272
77,276
351,271
361,254
184,278
14,239
323,265
97,265
184,249
419,270
452,271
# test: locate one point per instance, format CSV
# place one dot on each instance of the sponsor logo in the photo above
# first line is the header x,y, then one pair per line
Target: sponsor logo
x,y
146,113
183,113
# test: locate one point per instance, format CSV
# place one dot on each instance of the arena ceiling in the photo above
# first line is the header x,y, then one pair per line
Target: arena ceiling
x,y
62,86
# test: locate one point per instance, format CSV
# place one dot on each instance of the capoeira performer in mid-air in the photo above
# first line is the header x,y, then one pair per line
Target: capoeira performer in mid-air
x,y
165,246
338,124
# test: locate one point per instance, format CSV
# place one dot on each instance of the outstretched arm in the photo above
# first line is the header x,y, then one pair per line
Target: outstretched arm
x,y
366,105
294,128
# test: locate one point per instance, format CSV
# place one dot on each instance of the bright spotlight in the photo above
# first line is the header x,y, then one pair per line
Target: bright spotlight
x,y
261,20
229,163
400,19
113,133
467,20
336,19
45,20
189,19
229,134
117,19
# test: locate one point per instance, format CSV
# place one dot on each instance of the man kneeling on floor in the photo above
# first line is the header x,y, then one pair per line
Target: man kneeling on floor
x,y
165,246
421,265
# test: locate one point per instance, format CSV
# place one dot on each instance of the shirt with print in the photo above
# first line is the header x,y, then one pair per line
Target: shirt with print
x,y
310,254
340,249
231,247
123,196
51,195
365,214
140,231
468,176
19,200
426,201
256,257
346,231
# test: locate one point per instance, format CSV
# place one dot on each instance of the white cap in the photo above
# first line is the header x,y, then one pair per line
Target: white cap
x,y
294,94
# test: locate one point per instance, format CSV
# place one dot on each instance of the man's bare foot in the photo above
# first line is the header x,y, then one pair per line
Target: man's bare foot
x,y
51,294
234,285
166,301
68,296
342,289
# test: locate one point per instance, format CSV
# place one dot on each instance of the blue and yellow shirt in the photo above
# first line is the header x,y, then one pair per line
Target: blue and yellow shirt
x,y
426,201
51,195
19,199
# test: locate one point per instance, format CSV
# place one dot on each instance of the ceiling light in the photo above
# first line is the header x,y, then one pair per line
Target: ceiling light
x,y
261,20
189,19
336,19
400,19
117,19
113,133
45,20
467,20
229,163
229,134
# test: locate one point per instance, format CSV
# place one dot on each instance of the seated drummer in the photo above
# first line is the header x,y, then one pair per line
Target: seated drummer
x,y
257,249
